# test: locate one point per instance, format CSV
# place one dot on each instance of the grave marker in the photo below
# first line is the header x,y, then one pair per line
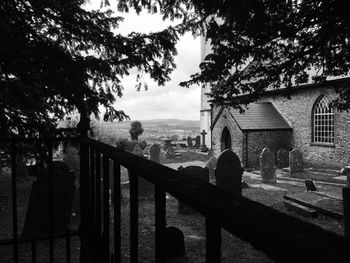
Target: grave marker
x,y
267,166
189,142
146,189
175,242
295,161
154,151
198,141
228,172
282,158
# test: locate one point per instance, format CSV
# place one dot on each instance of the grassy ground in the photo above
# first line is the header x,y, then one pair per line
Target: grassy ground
x,y
233,249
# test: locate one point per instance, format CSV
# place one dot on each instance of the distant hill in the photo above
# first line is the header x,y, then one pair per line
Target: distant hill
x,y
155,129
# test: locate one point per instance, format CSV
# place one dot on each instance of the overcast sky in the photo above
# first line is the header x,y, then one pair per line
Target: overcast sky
x,y
169,101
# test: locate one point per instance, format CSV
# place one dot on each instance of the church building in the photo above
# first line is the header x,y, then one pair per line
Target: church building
x,y
305,122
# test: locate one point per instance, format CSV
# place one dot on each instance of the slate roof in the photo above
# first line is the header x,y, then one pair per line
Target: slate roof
x,y
260,116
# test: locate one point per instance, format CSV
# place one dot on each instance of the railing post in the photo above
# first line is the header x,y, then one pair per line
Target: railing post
x,y
134,184
160,224
346,206
106,214
51,208
213,240
116,203
14,201
83,185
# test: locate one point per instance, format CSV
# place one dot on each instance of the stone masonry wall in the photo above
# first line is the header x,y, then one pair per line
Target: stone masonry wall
x,y
235,132
298,113
259,140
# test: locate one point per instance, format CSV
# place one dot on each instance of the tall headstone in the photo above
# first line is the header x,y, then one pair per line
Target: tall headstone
x,y
267,166
198,141
175,243
146,189
282,158
295,161
228,172
194,172
154,151
211,164
204,147
189,142
37,220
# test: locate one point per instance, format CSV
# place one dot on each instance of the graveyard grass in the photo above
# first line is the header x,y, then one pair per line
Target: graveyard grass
x,y
193,226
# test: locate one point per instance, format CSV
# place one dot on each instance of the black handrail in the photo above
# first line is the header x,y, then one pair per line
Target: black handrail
x,y
281,237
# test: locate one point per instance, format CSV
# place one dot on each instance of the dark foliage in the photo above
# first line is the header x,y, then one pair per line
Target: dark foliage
x,y
135,130
57,57
259,44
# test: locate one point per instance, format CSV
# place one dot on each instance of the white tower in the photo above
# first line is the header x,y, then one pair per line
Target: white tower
x,y
205,111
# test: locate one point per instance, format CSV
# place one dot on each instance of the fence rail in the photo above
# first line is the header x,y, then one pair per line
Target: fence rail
x,y
281,237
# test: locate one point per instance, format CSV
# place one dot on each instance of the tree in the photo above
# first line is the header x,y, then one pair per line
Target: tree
x,y
57,58
135,130
259,45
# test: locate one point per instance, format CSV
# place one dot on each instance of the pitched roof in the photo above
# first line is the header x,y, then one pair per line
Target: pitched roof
x,y
260,116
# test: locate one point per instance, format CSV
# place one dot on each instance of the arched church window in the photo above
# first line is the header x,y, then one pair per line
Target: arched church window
x,y
323,121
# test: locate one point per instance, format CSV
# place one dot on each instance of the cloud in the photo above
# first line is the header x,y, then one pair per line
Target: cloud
x,y
171,100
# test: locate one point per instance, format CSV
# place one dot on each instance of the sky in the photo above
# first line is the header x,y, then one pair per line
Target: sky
x,y
165,102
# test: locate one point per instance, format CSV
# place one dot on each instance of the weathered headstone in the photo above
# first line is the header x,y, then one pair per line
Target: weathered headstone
x,y
211,164
295,161
310,185
170,153
189,142
146,189
198,141
267,166
282,158
228,172
154,151
194,172
138,150
37,220
175,242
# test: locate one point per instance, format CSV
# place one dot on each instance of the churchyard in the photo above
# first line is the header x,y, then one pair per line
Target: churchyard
x,y
267,186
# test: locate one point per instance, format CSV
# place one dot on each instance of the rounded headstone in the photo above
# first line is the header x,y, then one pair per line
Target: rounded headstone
x,y
282,158
170,153
155,153
198,141
228,172
295,161
267,166
175,242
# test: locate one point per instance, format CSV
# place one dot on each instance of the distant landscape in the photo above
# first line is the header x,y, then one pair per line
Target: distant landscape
x,y
153,129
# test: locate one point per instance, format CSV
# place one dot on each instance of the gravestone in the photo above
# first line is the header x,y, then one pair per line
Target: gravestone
x,y
138,150
228,172
154,151
204,147
175,242
189,142
282,158
198,141
211,164
295,161
146,189
267,166
310,185
170,153
37,220
194,172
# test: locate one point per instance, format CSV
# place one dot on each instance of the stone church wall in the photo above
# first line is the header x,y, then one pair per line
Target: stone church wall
x,y
258,140
236,134
298,113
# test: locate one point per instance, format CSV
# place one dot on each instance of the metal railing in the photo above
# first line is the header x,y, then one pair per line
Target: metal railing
x,y
281,237
12,148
